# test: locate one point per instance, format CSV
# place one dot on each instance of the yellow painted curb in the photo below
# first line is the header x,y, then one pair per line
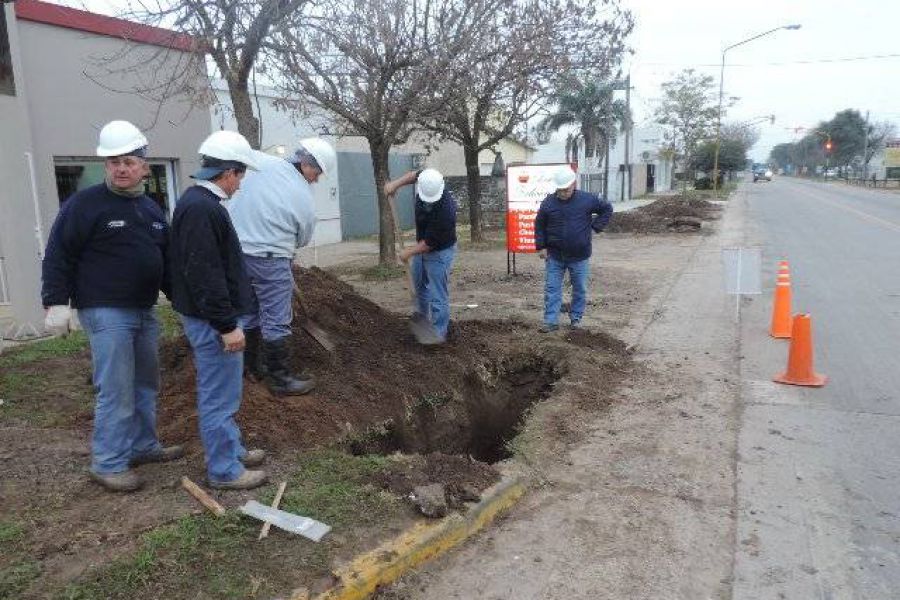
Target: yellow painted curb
x,y
360,578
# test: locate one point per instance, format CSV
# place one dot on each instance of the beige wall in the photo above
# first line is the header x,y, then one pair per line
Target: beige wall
x,y
58,112
18,244
447,157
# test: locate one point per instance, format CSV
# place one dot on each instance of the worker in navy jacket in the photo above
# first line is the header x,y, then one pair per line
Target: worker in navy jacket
x,y
211,292
432,255
563,227
106,256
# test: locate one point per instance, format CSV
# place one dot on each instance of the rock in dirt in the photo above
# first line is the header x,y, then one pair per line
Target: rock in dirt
x,y
430,500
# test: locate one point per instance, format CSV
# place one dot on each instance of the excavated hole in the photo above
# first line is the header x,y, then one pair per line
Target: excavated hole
x,y
478,420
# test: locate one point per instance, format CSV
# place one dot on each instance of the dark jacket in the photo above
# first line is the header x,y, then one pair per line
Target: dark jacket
x,y
563,227
208,277
106,250
436,222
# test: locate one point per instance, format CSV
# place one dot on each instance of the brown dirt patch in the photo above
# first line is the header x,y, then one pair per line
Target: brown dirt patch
x,y
668,214
446,406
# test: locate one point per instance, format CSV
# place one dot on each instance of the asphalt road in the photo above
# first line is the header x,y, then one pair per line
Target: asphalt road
x,y
818,490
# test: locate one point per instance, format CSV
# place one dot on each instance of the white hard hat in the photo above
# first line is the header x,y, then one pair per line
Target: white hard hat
x,y
322,151
430,185
118,138
230,148
564,177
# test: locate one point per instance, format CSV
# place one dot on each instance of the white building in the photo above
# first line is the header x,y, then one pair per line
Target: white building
x,y
280,133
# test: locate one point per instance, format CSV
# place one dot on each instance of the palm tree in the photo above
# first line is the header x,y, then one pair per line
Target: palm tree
x,y
599,117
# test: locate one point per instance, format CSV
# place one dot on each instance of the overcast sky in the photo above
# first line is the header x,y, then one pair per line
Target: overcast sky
x,y
802,77
783,73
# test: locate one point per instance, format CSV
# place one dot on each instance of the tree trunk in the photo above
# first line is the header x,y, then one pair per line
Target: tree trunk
x,y
248,124
387,251
473,177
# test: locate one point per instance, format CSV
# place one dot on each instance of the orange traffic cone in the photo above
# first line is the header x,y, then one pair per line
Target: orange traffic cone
x,y
781,308
800,356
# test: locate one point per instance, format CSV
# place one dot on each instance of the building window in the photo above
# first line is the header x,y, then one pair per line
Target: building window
x,y
7,83
73,175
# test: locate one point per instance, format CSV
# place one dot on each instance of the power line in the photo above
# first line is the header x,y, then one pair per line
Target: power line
x,y
775,64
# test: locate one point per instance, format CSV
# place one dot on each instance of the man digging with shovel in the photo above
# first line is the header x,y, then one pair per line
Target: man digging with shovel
x,y
432,255
274,214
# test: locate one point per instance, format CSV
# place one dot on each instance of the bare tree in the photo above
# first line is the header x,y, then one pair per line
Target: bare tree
x,y
381,66
522,53
234,34
688,110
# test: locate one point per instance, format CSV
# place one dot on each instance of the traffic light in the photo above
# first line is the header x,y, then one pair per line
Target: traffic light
x,y
828,146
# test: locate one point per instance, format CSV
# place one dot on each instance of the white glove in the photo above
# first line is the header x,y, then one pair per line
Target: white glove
x,y
58,320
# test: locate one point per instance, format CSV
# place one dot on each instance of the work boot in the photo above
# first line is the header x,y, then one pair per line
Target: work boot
x,y
254,457
246,481
165,454
126,481
253,363
278,378
548,327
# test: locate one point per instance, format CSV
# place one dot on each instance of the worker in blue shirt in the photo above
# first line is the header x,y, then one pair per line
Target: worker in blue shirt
x,y
562,230
106,256
211,292
274,214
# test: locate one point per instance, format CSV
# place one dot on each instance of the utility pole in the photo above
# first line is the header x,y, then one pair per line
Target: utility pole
x,y
865,156
628,130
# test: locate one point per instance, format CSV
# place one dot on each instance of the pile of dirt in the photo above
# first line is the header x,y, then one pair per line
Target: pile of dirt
x,y
380,391
668,214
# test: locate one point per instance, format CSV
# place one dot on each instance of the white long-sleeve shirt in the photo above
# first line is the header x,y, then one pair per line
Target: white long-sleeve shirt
x,y
273,211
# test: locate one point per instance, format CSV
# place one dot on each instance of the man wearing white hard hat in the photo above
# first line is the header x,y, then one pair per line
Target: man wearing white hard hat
x,y
211,292
435,248
106,256
562,231
274,214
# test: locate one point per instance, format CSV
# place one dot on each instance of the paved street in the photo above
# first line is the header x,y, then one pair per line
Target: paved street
x,y
817,468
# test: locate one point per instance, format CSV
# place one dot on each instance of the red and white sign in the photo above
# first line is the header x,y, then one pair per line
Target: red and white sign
x,y
526,188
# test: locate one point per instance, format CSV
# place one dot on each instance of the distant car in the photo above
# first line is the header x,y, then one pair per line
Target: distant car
x,y
830,173
761,172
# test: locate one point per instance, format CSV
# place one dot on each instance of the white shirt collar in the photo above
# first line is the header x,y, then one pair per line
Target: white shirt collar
x,y
215,189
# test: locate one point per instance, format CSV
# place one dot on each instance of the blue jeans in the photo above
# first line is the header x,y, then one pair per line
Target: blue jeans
x,y
272,283
219,389
553,282
124,351
431,276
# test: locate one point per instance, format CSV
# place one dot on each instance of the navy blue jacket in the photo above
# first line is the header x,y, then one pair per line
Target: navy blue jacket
x,y
436,222
208,277
563,227
106,250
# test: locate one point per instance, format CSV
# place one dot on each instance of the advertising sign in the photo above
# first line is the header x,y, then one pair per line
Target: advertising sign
x,y
526,187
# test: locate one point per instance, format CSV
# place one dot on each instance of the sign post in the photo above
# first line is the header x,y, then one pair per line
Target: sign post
x,y
526,188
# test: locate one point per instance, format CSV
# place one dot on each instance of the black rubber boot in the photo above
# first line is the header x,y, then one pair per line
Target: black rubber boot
x,y
278,378
253,363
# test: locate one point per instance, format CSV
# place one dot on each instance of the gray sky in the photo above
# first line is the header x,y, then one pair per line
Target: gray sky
x,y
801,76
780,73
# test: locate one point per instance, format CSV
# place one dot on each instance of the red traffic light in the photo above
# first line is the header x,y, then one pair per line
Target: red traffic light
x,y
828,145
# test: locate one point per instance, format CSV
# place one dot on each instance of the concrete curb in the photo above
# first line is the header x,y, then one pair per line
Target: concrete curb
x,y
362,576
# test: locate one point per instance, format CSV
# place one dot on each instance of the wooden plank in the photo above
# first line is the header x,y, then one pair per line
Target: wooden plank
x,y
264,532
205,499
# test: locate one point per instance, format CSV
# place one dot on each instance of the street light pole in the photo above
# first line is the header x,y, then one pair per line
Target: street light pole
x,y
715,172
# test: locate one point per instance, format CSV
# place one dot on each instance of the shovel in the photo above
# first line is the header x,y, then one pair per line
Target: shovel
x,y
310,327
421,328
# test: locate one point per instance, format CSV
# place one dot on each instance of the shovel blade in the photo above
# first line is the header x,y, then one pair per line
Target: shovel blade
x,y
424,331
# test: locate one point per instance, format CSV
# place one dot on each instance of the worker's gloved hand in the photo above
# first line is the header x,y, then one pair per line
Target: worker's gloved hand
x,y
58,320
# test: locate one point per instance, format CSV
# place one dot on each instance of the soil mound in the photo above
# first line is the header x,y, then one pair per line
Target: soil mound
x,y
379,390
669,214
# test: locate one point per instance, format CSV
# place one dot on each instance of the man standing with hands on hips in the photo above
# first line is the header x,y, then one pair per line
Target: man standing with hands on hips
x,y
563,228
212,293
